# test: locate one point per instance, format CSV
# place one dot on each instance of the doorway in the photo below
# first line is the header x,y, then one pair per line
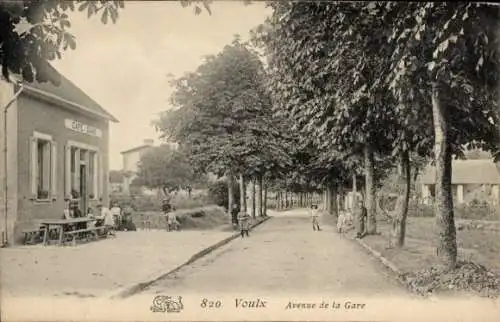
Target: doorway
x,y
83,189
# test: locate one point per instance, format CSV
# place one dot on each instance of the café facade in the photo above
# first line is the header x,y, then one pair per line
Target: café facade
x,y
55,143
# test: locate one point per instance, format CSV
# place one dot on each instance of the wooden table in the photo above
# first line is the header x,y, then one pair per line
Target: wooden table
x,y
61,224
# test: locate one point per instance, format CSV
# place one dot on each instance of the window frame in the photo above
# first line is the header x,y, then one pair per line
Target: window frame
x,y
34,167
97,175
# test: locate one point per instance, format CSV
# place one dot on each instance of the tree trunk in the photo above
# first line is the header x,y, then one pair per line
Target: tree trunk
x,y
261,210
264,203
301,199
243,197
253,197
328,199
230,192
340,194
354,199
333,199
325,199
286,199
371,209
443,205
399,220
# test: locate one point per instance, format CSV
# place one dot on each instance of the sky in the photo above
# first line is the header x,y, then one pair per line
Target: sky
x,y
125,67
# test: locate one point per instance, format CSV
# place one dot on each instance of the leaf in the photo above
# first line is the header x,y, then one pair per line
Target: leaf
x,y
70,40
104,16
84,6
207,7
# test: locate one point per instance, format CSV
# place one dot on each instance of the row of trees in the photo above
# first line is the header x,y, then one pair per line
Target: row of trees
x,y
374,84
350,90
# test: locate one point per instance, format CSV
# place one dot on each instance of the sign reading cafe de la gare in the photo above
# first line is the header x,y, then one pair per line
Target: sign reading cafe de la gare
x,y
77,126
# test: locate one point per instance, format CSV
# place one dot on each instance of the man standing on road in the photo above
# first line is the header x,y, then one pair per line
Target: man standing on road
x,y
315,217
234,214
361,215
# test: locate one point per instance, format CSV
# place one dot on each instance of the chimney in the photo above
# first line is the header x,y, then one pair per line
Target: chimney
x,y
148,142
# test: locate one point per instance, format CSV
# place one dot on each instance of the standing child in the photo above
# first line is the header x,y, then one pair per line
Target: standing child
x,y
116,211
341,222
244,221
107,216
172,222
315,217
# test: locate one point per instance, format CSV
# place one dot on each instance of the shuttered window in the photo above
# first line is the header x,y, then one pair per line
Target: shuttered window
x,y
43,167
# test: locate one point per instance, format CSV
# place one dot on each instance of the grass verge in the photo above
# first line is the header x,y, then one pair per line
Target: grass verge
x,y
478,252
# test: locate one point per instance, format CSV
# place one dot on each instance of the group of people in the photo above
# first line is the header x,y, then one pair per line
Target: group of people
x,y
108,218
345,219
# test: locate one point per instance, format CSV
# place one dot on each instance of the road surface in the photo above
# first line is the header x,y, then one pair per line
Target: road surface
x,y
284,255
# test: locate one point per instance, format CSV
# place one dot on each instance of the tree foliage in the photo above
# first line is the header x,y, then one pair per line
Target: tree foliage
x,y
166,168
361,76
223,115
32,33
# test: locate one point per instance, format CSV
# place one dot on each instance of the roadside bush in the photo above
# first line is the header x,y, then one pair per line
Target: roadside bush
x,y
146,203
208,217
420,210
180,200
218,194
477,210
183,201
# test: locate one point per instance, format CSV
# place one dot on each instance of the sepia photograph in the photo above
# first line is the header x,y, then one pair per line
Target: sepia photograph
x,y
218,160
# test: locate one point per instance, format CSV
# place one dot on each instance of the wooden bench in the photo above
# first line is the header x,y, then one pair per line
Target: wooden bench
x,y
31,234
72,234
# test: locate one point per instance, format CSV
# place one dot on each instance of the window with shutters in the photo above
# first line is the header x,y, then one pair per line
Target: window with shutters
x,y
43,167
43,171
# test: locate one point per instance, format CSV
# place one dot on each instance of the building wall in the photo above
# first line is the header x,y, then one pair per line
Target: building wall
x,y
7,218
131,164
470,192
130,160
40,116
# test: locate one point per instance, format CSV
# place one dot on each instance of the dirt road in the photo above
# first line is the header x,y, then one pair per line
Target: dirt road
x,y
285,255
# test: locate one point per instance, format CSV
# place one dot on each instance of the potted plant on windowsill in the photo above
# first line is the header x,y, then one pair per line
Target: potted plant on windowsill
x,y
42,194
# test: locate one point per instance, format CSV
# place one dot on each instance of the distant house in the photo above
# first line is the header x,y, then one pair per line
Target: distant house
x,y
131,158
468,178
57,143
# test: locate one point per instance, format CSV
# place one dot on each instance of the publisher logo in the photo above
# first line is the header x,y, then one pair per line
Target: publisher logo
x,y
167,304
